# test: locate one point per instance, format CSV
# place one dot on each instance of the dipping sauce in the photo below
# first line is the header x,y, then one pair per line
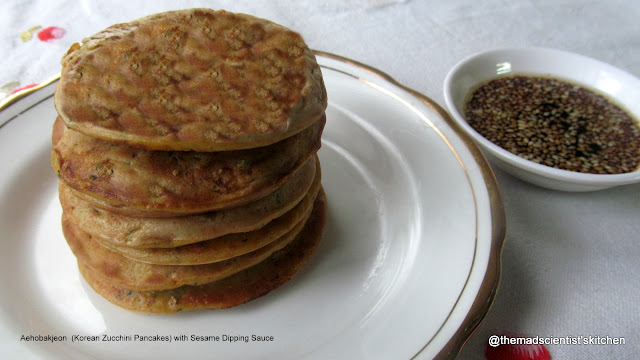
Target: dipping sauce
x,y
555,123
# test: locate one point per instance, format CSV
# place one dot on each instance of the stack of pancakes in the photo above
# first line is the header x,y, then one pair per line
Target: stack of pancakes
x,y
185,145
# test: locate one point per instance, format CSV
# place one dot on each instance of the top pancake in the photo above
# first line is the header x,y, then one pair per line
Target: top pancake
x,y
194,79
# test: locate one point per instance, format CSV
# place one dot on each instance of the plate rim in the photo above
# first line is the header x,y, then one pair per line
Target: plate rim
x,y
488,288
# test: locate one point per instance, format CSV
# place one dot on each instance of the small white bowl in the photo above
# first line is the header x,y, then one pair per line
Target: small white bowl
x,y
620,87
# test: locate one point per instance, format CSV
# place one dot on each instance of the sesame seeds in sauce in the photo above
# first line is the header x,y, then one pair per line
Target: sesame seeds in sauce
x,y
555,123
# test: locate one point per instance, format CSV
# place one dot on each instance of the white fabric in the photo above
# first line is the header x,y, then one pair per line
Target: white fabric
x,y
571,262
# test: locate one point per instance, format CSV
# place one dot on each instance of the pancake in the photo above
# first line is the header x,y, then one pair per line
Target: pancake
x,y
223,247
136,232
195,80
237,289
135,275
139,182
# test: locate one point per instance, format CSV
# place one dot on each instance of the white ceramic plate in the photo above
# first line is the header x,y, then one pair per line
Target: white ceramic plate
x,y
407,268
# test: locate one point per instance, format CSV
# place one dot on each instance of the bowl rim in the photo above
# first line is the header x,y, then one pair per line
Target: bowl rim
x,y
520,162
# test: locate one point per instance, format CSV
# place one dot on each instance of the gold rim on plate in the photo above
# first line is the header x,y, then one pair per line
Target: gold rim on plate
x,y
488,289
22,93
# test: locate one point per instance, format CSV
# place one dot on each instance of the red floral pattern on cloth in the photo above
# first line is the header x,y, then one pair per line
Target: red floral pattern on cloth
x,y
51,33
23,88
46,35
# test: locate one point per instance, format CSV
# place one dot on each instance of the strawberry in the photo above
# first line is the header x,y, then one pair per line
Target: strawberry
x,y
517,351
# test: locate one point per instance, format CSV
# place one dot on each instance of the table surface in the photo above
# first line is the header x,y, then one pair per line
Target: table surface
x,y
571,262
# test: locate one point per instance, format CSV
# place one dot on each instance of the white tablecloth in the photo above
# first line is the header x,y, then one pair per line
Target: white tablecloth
x,y
571,261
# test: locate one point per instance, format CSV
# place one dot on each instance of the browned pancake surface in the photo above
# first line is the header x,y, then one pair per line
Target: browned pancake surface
x,y
237,289
135,275
141,182
193,79
223,247
167,232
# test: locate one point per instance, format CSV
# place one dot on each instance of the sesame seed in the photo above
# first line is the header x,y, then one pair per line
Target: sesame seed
x,y
555,123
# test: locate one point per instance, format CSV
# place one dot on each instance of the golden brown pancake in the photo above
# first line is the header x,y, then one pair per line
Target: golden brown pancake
x,y
234,290
135,232
223,247
194,79
139,182
135,275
